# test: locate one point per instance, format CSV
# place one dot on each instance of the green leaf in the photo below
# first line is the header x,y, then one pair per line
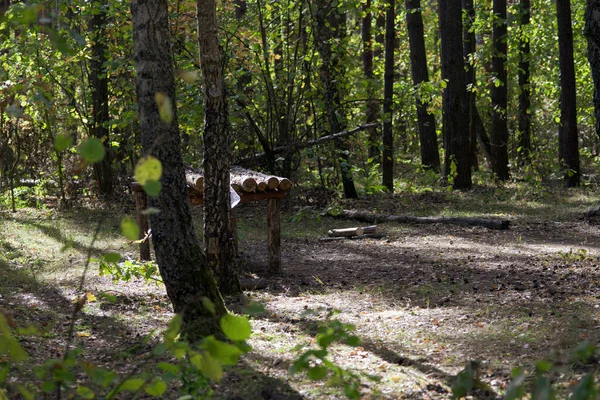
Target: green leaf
x,y
85,392
130,229
235,327
148,169
353,341
3,373
26,393
254,309
173,329
159,349
351,391
92,150
209,305
15,351
211,368
583,352
48,386
543,366
156,388
165,107
585,389
111,257
542,389
168,367
188,76
132,385
100,376
152,188
59,42
463,383
516,389
63,141
226,353
316,373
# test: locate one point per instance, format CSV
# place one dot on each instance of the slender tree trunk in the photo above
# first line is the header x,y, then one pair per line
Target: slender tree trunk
x,y
387,161
568,146
329,26
99,91
457,160
499,133
469,47
240,8
524,117
183,266
372,109
218,152
592,34
418,61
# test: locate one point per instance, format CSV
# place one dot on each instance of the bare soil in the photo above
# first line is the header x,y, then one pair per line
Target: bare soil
x,y
425,299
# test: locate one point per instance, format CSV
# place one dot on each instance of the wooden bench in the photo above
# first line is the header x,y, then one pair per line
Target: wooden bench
x,y
249,185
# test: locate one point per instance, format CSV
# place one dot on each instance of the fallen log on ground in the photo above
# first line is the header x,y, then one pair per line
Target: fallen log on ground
x,y
348,232
498,224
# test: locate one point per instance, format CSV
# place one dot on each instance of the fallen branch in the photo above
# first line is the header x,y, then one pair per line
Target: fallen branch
x,y
499,224
297,146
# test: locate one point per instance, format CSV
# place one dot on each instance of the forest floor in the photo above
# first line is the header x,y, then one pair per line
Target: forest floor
x,y
425,299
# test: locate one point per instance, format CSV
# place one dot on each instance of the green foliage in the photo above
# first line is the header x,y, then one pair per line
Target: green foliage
x,y
539,385
195,365
110,265
317,365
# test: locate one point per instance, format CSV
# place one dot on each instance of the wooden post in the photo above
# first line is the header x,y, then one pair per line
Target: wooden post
x,y
274,234
141,203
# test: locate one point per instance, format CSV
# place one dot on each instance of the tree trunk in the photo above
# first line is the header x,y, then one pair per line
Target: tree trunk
x,y
329,27
499,133
457,160
387,162
218,153
372,109
418,60
99,92
524,117
469,47
568,146
182,264
592,34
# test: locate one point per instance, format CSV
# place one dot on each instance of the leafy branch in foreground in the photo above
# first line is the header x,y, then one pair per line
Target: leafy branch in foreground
x,y
538,385
318,365
171,361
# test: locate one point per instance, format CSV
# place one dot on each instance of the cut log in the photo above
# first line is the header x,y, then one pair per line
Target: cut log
x,y
195,178
346,232
243,183
271,182
284,184
498,224
370,230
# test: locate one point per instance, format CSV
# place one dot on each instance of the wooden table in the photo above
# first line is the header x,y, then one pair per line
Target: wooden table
x,y
239,179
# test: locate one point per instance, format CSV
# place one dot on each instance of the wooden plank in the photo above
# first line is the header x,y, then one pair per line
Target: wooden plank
x,y
197,199
274,236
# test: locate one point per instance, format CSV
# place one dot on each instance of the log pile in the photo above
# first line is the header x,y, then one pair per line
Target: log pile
x,y
243,181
